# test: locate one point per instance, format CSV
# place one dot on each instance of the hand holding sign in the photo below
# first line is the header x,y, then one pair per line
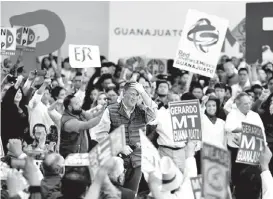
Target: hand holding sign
x,y
251,144
265,158
84,56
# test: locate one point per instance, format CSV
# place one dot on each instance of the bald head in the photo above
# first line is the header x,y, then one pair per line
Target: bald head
x,y
53,164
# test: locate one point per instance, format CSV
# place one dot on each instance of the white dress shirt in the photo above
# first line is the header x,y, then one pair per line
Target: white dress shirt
x,y
234,120
38,113
213,133
267,182
165,129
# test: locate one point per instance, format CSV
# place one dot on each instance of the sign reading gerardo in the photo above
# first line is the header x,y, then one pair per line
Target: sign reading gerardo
x,y
201,42
251,145
215,170
186,120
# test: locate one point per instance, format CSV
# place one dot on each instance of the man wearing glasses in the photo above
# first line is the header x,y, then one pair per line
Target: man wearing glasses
x,y
134,117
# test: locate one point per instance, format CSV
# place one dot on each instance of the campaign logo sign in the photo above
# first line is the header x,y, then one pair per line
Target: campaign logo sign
x,y
201,42
186,120
135,63
150,157
196,185
107,148
251,144
26,38
239,33
215,170
8,42
84,56
156,66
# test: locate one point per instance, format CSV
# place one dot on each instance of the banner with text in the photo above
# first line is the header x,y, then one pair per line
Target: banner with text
x,y
26,38
107,148
8,41
186,120
251,144
196,185
84,56
201,42
215,170
77,159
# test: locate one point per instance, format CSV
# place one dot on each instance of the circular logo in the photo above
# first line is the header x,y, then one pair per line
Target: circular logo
x,y
156,66
215,178
203,35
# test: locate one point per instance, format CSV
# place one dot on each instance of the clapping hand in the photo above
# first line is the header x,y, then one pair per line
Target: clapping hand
x,y
15,147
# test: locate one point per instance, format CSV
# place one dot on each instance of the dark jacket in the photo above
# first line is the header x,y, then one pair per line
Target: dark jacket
x,y
51,187
73,142
138,120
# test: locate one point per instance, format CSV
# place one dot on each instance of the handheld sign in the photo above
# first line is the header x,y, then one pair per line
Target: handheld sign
x,y
186,120
251,144
196,185
84,56
150,157
201,42
8,41
77,159
215,170
107,148
156,66
239,33
136,63
26,38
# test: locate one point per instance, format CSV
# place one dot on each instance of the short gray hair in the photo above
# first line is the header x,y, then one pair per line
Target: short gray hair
x,y
239,97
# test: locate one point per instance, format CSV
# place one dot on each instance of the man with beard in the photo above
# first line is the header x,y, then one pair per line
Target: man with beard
x,y
75,125
162,90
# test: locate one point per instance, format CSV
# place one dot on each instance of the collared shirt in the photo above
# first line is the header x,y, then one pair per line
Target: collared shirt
x,y
235,119
38,113
165,129
127,110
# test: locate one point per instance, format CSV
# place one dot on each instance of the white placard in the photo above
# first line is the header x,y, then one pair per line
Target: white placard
x,y
26,38
84,56
201,43
8,41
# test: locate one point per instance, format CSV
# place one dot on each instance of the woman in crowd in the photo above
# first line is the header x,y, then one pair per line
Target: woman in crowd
x,y
212,125
90,96
14,115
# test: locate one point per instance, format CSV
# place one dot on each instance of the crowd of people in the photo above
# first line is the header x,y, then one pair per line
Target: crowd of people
x,y
57,110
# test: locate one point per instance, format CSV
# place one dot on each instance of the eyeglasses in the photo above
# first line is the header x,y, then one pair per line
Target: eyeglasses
x,y
133,94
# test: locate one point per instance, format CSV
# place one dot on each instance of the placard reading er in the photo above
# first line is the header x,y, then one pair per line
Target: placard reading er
x,y
84,56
